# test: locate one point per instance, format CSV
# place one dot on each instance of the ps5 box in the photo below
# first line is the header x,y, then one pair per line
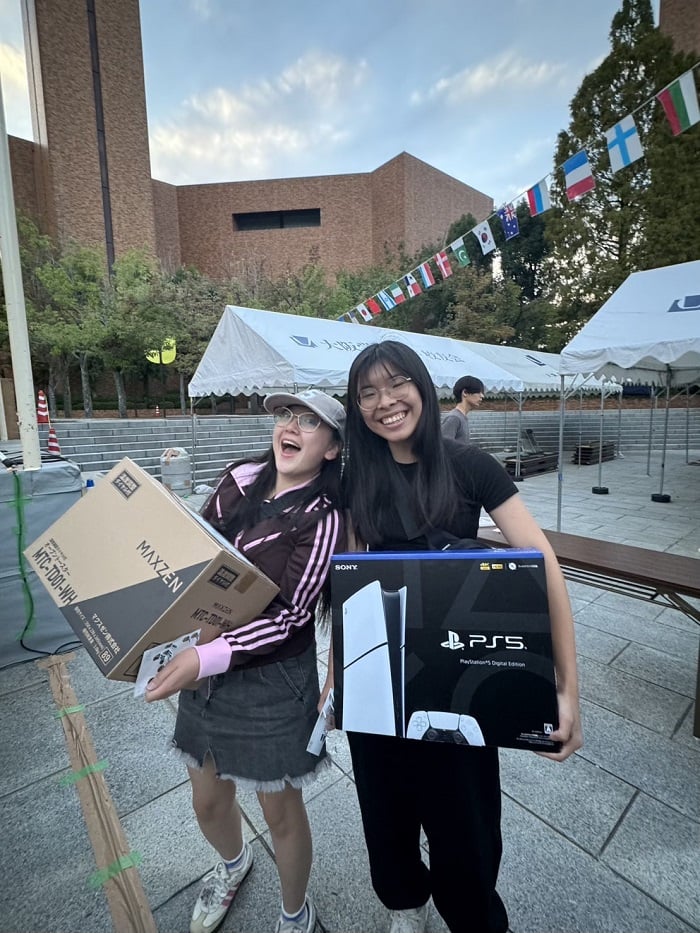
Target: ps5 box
x,y
451,646
131,567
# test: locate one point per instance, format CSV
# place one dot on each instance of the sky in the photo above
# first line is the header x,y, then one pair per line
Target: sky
x,y
240,90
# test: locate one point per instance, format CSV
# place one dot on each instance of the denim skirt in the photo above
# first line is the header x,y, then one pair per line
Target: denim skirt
x,y
254,723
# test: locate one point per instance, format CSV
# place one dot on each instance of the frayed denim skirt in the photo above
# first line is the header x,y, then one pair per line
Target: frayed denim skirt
x,y
254,723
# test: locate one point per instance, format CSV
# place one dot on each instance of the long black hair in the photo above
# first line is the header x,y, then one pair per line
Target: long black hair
x,y
369,477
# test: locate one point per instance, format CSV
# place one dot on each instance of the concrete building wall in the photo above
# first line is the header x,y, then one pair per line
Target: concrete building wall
x,y
167,225
126,124
680,19
209,241
70,181
23,176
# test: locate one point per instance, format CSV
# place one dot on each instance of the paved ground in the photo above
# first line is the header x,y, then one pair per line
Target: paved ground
x,y
605,842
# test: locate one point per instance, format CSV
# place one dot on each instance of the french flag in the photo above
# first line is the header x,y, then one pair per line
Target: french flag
x,y
538,199
578,175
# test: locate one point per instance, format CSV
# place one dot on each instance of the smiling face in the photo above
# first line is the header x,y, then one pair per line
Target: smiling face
x,y
393,418
299,454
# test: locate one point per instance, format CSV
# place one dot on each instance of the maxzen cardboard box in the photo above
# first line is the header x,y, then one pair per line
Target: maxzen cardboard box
x,y
131,567
451,646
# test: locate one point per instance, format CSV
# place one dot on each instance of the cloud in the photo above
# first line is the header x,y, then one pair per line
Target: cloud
x,y
506,71
15,90
255,131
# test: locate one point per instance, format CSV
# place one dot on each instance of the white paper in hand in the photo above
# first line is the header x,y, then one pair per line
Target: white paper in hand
x,y
155,659
322,727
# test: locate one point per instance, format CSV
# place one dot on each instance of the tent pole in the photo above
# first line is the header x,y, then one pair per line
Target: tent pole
x,y
560,461
660,496
518,447
651,424
601,490
687,423
193,432
619,423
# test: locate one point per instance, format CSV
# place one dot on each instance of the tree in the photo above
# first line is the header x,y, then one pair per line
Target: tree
x,y
641,214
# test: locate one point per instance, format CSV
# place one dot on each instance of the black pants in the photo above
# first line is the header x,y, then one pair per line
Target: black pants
x,y
454,793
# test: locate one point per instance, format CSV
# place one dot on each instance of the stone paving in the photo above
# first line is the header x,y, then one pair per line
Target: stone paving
x,y
607,841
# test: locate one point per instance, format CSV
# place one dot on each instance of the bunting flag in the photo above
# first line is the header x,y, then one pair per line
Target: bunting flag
x,y
426,273
679,100
538,199
624,144
484,235
459,251
411,284
680,103
509,220
346,317
396,293
386,300
443,264
578,175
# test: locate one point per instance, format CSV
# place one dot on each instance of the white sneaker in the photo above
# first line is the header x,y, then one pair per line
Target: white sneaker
x,y
219,887
290,926
409,921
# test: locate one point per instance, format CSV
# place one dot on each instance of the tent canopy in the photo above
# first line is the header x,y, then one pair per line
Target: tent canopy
x,y
648,328
538,371
265,351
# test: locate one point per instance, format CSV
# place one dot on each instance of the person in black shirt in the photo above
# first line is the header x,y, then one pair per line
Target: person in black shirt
x,y
451,792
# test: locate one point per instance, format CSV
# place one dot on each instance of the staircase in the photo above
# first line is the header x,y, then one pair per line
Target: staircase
x,y
215,440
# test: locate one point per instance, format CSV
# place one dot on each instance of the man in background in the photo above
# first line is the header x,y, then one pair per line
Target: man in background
x,y
468,392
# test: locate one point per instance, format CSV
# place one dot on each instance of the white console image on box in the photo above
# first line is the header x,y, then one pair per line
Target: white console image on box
x,y
436,726
374,639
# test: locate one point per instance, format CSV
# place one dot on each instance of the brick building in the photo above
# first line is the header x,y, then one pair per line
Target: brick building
x,y
87,177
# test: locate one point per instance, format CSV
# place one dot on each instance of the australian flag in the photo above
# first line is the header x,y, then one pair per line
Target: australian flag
x,y
509,219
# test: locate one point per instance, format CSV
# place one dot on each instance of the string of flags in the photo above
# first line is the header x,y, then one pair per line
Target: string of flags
x,y
679,101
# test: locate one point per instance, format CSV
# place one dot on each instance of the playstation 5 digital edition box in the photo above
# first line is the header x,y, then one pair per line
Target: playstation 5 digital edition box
x,y
451,646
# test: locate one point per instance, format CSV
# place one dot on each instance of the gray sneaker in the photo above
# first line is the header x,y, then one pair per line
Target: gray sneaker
x,y
219,887
290,926
409,921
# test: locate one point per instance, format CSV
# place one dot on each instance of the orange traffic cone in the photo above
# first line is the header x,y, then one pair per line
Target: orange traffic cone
x,y
53,446
42,409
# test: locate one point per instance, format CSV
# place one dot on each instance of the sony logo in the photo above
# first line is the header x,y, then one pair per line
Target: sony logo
x,y
513,642
346,566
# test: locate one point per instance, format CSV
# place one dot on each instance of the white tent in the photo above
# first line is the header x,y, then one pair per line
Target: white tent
x,y
264,351
538,371
648,331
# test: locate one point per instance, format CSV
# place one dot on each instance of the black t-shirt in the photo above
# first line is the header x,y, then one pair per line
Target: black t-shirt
x,y
481,482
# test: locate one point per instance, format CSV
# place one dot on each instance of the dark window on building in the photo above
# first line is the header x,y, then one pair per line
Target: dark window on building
x,y
277,220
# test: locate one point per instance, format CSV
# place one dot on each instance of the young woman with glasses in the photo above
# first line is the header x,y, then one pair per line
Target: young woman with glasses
x,y
247,720
394,443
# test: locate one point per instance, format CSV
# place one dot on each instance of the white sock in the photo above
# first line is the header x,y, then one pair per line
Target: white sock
x,y
235,862
300,916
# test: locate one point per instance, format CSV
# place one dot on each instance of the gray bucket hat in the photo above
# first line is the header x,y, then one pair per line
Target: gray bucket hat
x,y
325,406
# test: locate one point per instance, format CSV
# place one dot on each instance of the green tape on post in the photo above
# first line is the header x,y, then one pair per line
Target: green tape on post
x,y
132,860
68,711
78,775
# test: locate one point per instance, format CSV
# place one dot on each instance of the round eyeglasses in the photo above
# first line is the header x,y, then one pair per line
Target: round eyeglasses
x,y
396,388
308,421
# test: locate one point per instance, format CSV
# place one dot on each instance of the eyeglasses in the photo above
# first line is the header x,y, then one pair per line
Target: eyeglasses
x,y
396,388
307,420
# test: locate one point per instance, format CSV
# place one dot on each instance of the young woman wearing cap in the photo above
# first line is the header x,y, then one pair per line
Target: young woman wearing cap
x,y
452,792
249,718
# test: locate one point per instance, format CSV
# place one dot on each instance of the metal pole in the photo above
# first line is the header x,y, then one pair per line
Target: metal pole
x,y
560,463
660,496
651,425
601,490
16,311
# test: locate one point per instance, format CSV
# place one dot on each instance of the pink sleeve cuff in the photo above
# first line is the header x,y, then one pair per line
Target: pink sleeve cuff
x,y
214,657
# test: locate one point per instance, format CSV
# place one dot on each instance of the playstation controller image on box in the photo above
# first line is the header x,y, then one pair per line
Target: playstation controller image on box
x,y
444,646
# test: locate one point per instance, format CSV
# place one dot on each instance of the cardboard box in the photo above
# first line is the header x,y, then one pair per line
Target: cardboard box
x,y
131,567
444,646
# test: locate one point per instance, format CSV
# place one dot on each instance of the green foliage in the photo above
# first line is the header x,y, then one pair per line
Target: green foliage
x,y
641,216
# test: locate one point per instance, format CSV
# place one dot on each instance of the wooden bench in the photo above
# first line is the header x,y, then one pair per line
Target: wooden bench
x,y
530,464
654,576
590,452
